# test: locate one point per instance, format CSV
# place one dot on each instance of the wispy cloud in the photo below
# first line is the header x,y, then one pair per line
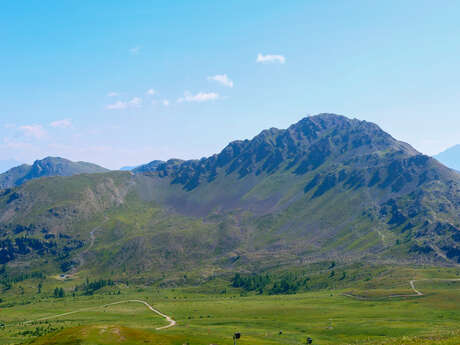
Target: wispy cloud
x,y
112,94
199,97
117,105
135,102
222,79
65,123
15,144
135,50
269,58
164,102
33,131
150,92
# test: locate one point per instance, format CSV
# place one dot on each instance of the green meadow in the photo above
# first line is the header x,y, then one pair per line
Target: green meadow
x,y
213,312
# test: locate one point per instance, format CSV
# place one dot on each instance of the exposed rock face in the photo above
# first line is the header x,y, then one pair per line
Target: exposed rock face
x,y
327,187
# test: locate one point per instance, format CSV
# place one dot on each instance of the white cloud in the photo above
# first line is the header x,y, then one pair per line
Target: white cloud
x,y
117,105
34,131
112,94
135,102
165,102
61,123
270,58
199,97
151,92
222,79
135,50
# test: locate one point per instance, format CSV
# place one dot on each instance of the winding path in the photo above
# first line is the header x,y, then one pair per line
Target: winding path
x,y
417,293
168,318
92,239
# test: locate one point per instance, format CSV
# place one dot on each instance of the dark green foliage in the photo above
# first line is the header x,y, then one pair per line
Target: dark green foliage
x,y
89,287
9,248
251,283
59,292
287,283
9,278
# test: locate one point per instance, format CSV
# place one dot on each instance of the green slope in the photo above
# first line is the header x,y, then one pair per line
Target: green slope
x,y
326,188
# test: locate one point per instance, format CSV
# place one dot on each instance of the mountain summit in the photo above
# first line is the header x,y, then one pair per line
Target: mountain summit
x,y
450,157
326,188
49,166
302,148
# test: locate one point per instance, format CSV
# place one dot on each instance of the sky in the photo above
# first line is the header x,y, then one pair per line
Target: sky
x,y
123,83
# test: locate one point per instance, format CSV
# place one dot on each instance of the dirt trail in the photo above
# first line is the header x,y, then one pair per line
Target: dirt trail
x,y
81,255
168,318
412,285
417,293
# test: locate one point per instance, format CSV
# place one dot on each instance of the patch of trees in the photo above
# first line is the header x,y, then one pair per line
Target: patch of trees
x,y
253,282
287,283
65,252
9,248
20,228
59,293
39,331
324,275
66,265
89,287
8,279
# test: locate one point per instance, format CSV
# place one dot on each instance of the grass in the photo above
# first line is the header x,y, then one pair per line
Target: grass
x,y
210,314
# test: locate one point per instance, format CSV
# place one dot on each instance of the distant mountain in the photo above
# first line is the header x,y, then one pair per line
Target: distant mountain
x,y
326,188
127,168
49,166
8,164
152,166
450,157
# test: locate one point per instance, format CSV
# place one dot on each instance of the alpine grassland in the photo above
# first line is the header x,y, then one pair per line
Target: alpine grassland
x,y
332,304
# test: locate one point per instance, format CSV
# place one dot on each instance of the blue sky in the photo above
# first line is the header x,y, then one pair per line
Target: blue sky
x,y
123,83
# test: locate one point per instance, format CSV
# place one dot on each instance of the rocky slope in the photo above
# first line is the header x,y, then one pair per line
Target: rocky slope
x,y
326,188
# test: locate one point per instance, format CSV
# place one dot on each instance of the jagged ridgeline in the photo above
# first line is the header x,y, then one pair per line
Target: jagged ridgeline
x,y
326,188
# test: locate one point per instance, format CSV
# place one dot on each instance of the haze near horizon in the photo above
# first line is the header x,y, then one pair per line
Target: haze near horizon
x,y
121,85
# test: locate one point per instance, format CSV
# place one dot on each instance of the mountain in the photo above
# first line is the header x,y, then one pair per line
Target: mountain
x,y
49,166
450,157
148,167
127,168
144,167
326,188
8,164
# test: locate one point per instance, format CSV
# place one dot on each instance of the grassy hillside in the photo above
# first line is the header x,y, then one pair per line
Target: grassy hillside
x,y
211,313
326,188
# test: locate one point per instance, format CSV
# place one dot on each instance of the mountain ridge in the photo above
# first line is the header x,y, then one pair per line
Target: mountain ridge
x,y
46,167
325,188
450,157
